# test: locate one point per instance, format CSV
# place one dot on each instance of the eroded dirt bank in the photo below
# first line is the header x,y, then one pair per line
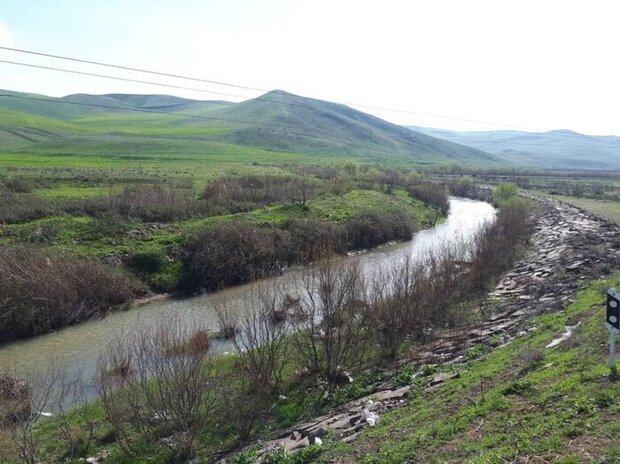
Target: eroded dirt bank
x,y
568,247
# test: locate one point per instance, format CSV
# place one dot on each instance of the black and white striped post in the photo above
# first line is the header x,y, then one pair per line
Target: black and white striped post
x,y
613,322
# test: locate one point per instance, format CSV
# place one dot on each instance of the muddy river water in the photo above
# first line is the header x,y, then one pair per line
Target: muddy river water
x,y
78,347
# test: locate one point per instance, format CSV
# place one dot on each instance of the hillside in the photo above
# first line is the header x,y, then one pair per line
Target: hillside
x,y
558,149
282,121
276,121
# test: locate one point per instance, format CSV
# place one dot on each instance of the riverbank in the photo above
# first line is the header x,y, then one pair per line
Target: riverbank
x,y
203,254
82,343
466,217
499,365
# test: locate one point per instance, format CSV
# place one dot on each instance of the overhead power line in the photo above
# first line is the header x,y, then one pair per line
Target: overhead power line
x,y
129,68
116,78
244,87
211,92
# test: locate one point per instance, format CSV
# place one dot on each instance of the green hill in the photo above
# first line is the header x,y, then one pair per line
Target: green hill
x,y
282,121
277,121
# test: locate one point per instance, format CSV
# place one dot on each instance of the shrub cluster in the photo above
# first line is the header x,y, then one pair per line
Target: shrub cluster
x,y
147,202
232,254
497,243
372,229
39,294
231,194
433,193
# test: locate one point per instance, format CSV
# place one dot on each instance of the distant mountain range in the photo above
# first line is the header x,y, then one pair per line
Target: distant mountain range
x,y
558,149
276,121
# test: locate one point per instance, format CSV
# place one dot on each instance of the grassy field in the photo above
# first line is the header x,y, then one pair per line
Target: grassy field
x,y
606,209
519,403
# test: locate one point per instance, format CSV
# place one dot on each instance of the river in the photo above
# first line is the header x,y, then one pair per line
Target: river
x,y
78,347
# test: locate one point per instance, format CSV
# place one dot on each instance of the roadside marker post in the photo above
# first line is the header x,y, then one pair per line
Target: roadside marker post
x,y
612,320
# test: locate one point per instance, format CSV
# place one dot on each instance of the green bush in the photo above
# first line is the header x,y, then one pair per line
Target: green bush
x,y
505,192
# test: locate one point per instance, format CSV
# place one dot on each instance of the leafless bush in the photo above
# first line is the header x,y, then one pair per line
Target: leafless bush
x,y
398,304
232,254
22,403
497,243
241,193
373,229
332,336
433,193
448,282
150,387
242,407
260,341
311,240
16,184
38,294
75,418
22,207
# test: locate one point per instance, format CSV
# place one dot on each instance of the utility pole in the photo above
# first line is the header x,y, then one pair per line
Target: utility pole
x,y
612,321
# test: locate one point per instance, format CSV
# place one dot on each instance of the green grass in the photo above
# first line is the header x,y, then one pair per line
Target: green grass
x,y
505,406
607,209
514,403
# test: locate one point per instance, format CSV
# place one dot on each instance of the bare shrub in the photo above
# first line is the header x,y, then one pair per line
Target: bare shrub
x,y
231,194
75,425
232,254
372,229
22,403
245,407
16,185
447,282
311,240
23,207
497,243
164,395
260,340
39,294
147,202
433,193
332,335
398,304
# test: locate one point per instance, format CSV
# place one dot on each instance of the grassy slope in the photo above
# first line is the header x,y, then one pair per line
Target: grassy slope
x,y
276,121
279,120
519,403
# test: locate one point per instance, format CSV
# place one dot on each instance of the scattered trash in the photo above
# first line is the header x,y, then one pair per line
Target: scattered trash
x,y
46,414
282,397
318,441
369,417
565,336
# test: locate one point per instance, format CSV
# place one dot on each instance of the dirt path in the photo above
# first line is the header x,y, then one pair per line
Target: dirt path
x,y
568,247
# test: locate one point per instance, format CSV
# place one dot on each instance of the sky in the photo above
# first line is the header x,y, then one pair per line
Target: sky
x,y
464,65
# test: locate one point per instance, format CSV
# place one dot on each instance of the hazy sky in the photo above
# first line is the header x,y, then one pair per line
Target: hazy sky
x,y
541,64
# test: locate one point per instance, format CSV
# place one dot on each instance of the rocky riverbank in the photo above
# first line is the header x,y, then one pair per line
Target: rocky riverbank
x,y
569,247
